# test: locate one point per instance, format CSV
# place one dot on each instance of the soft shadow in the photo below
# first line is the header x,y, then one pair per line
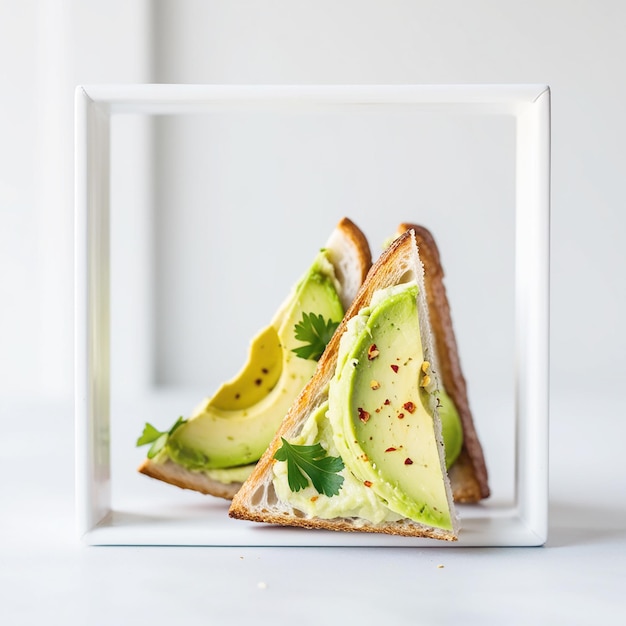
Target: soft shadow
x,y
575,524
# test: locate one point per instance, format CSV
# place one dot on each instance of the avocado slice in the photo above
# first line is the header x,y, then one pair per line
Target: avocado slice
x,y
451,427
234,426
258,377
379,409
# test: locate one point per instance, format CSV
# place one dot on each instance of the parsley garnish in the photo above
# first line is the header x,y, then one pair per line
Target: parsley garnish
x,y
311,461
157,438
316,332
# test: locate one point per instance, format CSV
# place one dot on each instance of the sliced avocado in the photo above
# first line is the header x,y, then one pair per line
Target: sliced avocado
x,y
451,428
235,426
258,376
382,425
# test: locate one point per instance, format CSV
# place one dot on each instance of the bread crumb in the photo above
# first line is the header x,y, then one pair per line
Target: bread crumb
x,y
440,566
262,585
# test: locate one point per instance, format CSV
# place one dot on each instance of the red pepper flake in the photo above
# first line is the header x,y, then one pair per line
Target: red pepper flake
x,y
392,449
395,368
400,416
408,461
387,402
372,352
409,406
314,498
367,483
363,415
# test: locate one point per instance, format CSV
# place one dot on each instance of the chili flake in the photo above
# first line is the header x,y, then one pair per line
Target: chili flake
x,y
392,449
372,352
395,368
408,461
374,384
367,483
363,415
409,406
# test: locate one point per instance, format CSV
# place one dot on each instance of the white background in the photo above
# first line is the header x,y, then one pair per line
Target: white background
x,y
48,47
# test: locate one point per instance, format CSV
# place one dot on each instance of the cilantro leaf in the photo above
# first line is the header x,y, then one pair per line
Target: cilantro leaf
x,y
311,461
316,332
157,438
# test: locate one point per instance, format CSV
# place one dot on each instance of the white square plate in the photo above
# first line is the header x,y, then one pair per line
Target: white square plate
x,y
113,505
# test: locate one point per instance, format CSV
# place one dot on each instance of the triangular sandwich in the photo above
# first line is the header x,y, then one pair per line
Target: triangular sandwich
x,y
217,447
361,448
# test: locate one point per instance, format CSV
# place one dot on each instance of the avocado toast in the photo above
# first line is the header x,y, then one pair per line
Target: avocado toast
x,y
361,449
215,449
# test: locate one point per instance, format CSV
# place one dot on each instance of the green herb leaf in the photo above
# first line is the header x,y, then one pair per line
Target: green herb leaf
x,y
311,461
316,332
157,438
149,434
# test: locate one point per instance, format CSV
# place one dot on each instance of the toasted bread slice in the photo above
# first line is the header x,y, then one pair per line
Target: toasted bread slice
x,y
258,499
349,252
468,475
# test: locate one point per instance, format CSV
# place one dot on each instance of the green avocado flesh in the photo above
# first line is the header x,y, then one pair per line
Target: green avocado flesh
x,y
379,421
235,426
451,428
385,415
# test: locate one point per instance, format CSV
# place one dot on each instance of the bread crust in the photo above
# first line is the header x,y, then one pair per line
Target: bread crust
x,y
351,256
359,244
468,475
404,528
245,504
179,476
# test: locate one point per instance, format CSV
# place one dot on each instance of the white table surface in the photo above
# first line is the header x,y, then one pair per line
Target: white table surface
x,y
47,575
